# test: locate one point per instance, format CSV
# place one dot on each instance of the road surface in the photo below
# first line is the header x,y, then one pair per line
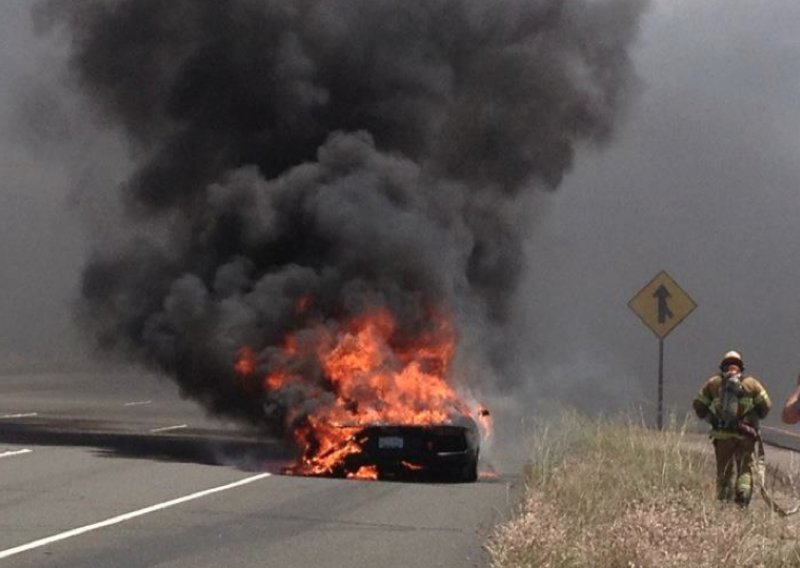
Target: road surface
x,y
118,470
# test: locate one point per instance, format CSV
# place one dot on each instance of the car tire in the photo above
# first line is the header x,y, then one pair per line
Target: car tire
x,y
470,472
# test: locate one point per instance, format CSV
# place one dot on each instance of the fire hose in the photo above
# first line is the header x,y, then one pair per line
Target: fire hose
x,y
761,479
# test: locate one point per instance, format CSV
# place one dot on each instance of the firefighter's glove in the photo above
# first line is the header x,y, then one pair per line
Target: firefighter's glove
x,y
747,429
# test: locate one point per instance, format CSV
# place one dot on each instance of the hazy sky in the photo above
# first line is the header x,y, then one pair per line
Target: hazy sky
x,y
701,181
40,244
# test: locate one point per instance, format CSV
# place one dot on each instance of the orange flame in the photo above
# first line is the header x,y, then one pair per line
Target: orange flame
x,y
245,363
364,472
375,375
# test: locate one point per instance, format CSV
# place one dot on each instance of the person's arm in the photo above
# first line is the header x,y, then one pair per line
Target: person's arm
x,y
701,404
791,408
761,402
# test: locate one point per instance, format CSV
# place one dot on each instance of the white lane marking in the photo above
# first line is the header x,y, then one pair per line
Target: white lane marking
x,y
25,415
126,517
168,428
137,403
15,453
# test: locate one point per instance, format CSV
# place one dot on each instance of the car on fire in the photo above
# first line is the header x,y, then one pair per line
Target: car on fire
x,y
402,451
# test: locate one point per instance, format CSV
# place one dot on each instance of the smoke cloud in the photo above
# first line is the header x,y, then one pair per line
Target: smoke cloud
x,y
342,156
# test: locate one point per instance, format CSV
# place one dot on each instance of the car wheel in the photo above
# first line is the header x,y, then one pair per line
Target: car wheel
x,y
470,472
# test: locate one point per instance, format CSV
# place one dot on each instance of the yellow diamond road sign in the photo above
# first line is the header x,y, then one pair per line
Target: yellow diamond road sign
x,y
662,304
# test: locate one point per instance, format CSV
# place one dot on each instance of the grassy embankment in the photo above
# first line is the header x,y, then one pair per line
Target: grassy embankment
x,y
613,494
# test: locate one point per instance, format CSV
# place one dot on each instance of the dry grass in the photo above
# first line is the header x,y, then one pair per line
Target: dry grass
x,y
615,494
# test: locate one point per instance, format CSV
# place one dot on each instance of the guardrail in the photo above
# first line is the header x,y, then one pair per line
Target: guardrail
x,y
786,439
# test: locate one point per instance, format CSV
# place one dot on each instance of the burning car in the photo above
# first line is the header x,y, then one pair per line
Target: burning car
x,y
367,402
442,451
446,451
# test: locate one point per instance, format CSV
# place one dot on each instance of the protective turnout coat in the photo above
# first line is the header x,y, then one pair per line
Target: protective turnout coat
x,y
732,416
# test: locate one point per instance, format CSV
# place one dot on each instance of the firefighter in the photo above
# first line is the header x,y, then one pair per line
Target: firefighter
x,y
733,404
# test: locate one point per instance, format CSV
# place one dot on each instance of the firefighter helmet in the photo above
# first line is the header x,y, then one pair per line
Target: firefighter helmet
x,y
731,358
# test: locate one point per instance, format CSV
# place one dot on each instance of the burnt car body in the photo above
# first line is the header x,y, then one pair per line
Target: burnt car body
x,y
439,451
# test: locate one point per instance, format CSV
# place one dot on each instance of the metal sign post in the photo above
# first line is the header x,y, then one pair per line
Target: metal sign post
x,y
660,383
661,305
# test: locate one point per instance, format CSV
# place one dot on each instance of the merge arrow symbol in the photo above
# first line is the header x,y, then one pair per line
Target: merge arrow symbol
x,y
663,309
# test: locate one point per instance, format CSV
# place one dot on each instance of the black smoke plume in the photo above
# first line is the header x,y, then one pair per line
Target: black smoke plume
x,y
360,153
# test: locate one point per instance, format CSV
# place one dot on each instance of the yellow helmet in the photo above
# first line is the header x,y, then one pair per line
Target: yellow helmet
x,y
731,358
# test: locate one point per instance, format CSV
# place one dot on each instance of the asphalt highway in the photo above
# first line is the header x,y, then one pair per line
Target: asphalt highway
x,y
118,470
